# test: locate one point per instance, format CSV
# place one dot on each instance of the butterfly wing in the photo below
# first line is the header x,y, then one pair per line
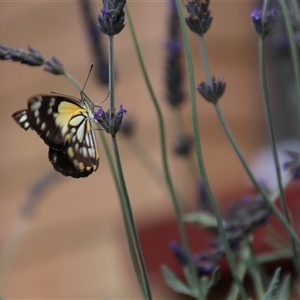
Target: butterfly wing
x,y
63,165
64,125
23,118
82,147
49,116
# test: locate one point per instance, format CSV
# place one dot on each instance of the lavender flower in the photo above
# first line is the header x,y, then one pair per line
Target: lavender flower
x,y
5,52
111,19
32,57
263,24
178,252
54,66
243,218
213,92
173,77
203,268
199,19
110,121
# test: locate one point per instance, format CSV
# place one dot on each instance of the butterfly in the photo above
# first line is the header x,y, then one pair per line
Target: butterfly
x,y
64,123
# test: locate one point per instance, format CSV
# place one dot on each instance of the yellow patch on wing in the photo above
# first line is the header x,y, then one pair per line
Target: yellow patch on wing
x,y
65,112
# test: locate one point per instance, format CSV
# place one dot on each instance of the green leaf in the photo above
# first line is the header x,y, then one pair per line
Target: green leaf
x,y
189,278
284,289
202,219
273,288
174,283
215,277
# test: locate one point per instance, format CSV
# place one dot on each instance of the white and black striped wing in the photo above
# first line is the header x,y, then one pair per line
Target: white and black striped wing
x,y
49,116
64,125
82,147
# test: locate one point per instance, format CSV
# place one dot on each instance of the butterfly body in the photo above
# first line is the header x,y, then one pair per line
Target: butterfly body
x,y
64,123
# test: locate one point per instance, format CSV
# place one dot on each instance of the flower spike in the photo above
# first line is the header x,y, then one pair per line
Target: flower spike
x,y
111,19
214,92
199,19
263,24
110,121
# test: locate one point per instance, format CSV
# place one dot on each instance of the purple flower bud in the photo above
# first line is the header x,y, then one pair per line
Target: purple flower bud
x,y
111,19
213,92
178,252
199,19
263,24
110,121
54,66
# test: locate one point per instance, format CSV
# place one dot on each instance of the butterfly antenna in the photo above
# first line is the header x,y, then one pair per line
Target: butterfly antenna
x,y
97,104
88,76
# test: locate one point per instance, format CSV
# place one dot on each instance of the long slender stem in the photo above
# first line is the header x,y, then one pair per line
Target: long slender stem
x,y
273,145
130,219
168,178
126,224
200,160
121,180
270,126
293,45
74,81
111,73
204,59
255,273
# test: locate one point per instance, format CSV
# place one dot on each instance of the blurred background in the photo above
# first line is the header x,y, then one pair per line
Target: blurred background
x,y
74,246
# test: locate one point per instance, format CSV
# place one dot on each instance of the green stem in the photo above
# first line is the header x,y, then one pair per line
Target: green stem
x,y
200,160
255,273
74,81
234,290
293,45
130,220
168,179
204,59
273,144
111,81
121,180
126,224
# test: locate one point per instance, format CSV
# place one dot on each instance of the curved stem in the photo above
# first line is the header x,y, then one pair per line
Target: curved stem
x,y
124,194
293,45
273,145
74,81
126,224
130,220
270,126
198,147
167,175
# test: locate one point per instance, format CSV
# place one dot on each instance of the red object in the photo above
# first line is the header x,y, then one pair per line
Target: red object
x,y
155,239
